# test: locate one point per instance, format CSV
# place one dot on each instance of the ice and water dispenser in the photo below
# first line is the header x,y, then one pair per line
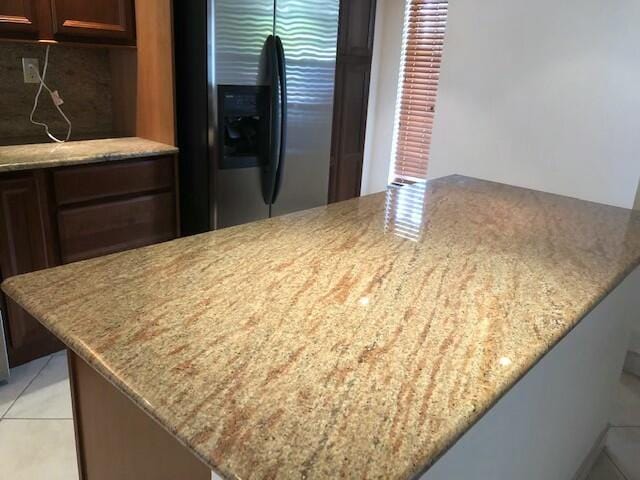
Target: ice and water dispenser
x,y
243,122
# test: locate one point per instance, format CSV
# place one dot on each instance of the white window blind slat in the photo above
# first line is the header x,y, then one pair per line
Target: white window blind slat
x,y
423,42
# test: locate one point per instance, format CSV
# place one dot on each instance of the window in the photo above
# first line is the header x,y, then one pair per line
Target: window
x,y
424,28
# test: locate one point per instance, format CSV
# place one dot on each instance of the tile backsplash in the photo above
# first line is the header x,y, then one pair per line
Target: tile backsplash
x,y
82,76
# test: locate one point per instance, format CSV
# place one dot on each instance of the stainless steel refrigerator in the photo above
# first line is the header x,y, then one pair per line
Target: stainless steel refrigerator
x,y
254,83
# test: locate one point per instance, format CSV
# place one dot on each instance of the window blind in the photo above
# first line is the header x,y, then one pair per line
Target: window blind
x,y
424,29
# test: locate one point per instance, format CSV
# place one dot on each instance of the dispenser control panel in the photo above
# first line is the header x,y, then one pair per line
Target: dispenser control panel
x,y
243,125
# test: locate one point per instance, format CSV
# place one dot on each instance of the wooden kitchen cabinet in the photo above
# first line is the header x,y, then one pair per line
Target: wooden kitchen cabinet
x,y
25,246
103,228
95,21
60,215
18,18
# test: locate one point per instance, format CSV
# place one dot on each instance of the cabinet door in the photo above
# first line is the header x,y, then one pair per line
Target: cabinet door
x,y
24,248
103,21
18,18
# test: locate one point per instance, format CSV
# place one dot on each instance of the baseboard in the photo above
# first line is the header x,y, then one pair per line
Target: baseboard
x,y
594,453
632,363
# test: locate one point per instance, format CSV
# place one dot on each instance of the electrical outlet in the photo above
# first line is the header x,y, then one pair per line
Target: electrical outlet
x,y
30,75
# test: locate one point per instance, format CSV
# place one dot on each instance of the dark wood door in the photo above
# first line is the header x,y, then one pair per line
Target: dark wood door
x,y
18,18
24,247
353,71
110,21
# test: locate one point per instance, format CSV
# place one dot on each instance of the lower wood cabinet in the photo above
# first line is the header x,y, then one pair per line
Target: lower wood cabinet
x,y
96,230
56,216
25,239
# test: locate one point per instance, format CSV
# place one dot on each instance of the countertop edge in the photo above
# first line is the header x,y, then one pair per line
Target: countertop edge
x,y
84,353
457,431
83,159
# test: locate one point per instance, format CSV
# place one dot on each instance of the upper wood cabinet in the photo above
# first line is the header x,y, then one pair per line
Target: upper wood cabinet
x,y
97,20
18,18
85,21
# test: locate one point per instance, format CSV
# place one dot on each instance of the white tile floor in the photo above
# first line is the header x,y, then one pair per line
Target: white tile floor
x,y
37,438
36,427
620,459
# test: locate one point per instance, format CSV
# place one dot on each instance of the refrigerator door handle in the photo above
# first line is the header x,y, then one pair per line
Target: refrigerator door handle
x,y
270,169
282,83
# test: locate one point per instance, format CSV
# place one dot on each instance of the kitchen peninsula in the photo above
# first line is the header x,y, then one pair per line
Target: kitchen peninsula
x,y
359,340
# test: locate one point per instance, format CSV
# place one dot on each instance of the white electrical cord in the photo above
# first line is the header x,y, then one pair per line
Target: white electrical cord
x,y
55,98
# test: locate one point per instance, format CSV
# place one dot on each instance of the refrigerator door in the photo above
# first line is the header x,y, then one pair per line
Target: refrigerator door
x,y
240,197
308,30
241,28
238,29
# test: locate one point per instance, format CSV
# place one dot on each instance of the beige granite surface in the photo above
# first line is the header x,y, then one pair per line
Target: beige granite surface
x,y
45,155
358,340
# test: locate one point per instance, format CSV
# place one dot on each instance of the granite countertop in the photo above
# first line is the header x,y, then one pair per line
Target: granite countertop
x,y
355,340
45,155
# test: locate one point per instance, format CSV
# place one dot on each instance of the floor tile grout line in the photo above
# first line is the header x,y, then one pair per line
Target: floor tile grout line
x,y
615,465
25,388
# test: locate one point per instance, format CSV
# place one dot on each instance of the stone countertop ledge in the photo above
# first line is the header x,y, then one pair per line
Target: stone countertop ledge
x,y
47,155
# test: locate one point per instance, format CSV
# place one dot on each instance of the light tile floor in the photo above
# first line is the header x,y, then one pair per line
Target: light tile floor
x,y
36,427
37,438
620,459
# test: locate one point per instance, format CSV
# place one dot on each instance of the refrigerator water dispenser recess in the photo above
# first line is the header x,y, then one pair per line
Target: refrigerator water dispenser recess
x,y
243,123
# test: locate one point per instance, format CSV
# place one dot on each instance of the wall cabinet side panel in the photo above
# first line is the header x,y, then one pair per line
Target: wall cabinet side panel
x,y
155,116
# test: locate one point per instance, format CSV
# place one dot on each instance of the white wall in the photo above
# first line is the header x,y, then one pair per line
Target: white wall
x,y
542,94
385,67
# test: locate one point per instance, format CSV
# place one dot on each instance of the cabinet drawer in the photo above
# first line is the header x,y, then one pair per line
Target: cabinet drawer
x,y
95,230
90,182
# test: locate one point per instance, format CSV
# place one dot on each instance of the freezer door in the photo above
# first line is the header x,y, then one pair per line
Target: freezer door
x,y
239,30
308,30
